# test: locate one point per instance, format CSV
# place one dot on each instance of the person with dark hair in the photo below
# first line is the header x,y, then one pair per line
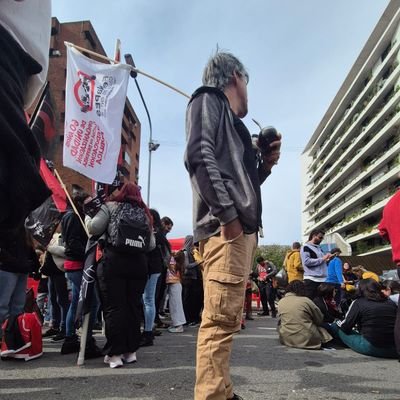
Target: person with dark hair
x,y
292,263
335,274
300,320
325,302
161,290
192,282
391,290
174,287
266,270
314,262
226,173
121,275
368,327
166,224
155,267
75,239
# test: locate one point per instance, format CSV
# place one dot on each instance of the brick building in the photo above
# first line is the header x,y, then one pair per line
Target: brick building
x,y
82,33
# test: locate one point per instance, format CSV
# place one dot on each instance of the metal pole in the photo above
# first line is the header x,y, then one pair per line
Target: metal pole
x,y
129,61
149,173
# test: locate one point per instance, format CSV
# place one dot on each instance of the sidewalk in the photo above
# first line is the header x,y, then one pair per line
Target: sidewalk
x,y
261,369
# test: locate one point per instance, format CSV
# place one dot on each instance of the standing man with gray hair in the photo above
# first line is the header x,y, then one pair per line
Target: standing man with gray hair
x,y
226,173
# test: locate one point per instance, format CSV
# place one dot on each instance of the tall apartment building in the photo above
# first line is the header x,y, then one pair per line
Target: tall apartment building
x,y
82,33
351,165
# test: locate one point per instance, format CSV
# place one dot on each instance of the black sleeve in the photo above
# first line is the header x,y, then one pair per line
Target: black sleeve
x,y
351,318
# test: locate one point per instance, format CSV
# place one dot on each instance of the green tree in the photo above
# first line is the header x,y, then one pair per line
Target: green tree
x,y
273,252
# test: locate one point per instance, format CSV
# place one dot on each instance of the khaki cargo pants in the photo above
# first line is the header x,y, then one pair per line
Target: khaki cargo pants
x,y
226,269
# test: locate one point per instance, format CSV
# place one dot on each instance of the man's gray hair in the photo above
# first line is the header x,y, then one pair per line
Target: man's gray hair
x,y
220,69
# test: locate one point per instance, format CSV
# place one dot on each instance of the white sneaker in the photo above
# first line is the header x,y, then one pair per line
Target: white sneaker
x,y
106,359
115,361
129,357
176,329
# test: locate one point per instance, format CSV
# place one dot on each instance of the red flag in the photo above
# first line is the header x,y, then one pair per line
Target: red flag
x,y
43,124
59,196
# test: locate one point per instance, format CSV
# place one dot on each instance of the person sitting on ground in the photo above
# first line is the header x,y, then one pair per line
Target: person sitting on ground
x,y
174,276
349,278
300,320
325,302
363,273
391,290
368,327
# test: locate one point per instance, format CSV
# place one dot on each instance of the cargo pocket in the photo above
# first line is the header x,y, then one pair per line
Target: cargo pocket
x,y
237,261
224,298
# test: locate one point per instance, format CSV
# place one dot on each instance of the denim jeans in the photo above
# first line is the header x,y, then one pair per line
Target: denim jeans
x,y
149,301
59,302
75,278
358,343
12,294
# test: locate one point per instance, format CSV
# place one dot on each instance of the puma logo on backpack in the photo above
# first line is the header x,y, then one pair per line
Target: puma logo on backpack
x,y
129,231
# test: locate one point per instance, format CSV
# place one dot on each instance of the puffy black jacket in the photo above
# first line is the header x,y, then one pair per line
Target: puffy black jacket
x,y
155,257
74,236
374,320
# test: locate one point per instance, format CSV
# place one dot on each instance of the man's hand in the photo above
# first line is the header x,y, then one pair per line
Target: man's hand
x,y
271,158
231,230
327,256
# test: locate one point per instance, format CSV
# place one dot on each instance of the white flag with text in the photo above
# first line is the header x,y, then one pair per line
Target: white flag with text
x,y
94,108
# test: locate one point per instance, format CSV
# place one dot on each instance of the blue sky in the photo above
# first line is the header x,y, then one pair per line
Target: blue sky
x,y
297,52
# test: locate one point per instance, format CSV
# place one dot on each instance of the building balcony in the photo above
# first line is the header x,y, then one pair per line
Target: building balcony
x,y
367,212
357,124
362,149
369,233
376,250
371,169
354,106
374,187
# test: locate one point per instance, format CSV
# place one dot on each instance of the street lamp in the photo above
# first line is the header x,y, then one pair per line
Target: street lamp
x,y
152,145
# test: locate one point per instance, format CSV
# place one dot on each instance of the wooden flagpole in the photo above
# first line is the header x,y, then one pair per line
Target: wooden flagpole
x,y
82,49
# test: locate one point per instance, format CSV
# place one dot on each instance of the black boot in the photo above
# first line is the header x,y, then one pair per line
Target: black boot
x,y
92,350
71,345
146,339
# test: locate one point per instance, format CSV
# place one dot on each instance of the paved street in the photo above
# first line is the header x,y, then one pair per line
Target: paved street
x,y
261,369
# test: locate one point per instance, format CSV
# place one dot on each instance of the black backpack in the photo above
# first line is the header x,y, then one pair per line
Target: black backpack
x,y
129,231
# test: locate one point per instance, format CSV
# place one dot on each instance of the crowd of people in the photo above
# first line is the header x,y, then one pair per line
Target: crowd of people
x,y
335,304
136,268
128,283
